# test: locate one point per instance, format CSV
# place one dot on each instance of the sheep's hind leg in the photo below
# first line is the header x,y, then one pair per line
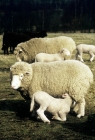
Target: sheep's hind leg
x,y
81,111
91,57
41,114
62,115
56,117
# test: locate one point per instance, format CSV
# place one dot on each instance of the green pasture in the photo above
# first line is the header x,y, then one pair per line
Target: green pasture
x,y
16,122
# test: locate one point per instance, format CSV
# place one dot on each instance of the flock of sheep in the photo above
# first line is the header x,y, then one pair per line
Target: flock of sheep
x,y
57,85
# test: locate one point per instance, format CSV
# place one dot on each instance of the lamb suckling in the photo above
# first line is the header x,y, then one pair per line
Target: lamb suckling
x,y
84,48
26,51
44,57
56,106
56,78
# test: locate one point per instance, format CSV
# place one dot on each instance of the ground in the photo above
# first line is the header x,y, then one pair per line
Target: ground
x,y
15,119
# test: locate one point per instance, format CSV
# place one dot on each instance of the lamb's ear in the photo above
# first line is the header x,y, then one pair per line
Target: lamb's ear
x,y
64,95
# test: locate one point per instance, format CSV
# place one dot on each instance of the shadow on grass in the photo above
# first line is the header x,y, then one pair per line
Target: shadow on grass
x,y
21,110
87,127
20,107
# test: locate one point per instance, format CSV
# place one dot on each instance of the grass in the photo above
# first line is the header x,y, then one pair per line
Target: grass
x,y
15,119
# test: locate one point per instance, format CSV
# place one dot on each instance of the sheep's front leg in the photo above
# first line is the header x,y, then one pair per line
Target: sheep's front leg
x,y
81,110
41,114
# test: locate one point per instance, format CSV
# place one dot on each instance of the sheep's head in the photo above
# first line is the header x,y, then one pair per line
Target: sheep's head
x,y
21,75
21,53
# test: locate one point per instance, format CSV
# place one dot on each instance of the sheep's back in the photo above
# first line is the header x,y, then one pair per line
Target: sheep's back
x,y
56,78
46,45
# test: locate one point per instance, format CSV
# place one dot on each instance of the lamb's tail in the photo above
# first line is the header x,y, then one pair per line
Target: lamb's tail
x,y
32,103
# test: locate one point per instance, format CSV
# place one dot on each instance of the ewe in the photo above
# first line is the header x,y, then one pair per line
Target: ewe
x,y
56,78
26,51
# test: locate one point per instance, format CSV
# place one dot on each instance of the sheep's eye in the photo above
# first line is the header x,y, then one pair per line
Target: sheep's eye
x,y
21,76
27,73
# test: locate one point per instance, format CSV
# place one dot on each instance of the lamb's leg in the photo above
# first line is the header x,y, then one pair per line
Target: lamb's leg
x,y
41,114
81,110
62,115
56,117
91,57
80,57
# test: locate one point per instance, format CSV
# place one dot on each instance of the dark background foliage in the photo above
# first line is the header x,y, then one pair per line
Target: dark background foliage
x,y
50,15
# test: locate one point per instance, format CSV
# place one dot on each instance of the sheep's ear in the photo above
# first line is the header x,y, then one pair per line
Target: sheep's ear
x,y
20,51
11,68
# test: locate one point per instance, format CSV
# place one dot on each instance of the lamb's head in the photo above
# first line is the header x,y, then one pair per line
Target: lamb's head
x,y
67,98
65,53
21,53
21,75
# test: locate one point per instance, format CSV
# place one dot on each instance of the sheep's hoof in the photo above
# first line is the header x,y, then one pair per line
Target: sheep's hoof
x,y
79,115
48,122
64,119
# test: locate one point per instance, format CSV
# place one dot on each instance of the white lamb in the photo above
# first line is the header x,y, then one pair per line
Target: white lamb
x,y
84,48
45,57
57,107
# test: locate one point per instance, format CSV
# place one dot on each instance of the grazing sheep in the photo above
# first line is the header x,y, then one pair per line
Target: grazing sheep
x,y
56,78
44,57
84,48
57,107
26,51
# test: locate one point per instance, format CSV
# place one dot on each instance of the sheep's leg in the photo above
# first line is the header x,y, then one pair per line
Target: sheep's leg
x,y
41,114
81,110
91,57
56,117
76,108
62,115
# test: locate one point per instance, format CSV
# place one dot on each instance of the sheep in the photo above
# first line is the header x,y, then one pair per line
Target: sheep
x,y
57,107
26,51
84,48
56,78
44,57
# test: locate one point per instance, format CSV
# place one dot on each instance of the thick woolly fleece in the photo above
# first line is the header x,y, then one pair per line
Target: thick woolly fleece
x,y
70,76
